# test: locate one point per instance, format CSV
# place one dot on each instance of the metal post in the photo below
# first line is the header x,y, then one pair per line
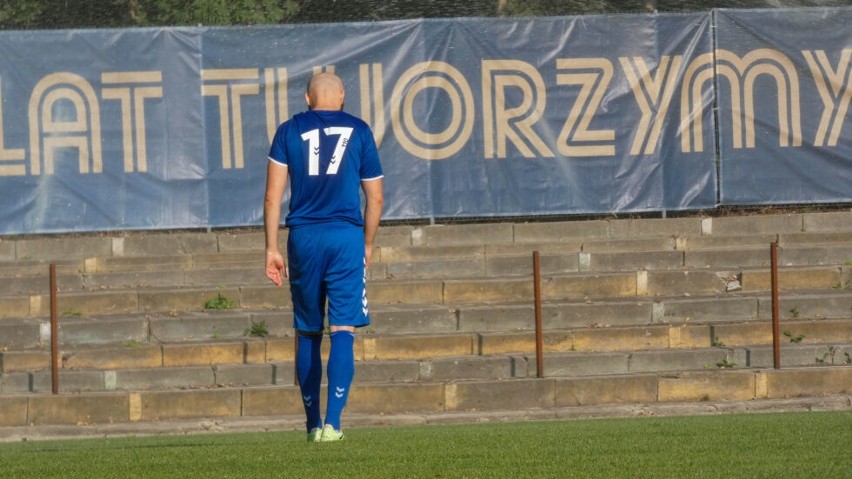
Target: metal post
x,y
776,321
539,340
54,331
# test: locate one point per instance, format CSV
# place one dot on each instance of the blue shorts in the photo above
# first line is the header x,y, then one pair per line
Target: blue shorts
x,y
326,263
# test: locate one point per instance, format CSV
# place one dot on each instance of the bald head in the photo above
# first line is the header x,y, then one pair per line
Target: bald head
x,y
325,92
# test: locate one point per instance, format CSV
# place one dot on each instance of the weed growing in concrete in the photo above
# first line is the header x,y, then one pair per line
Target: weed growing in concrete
x,y
795,311
827,355
131,344
794,339
219,302
72,312
258,330
727,363
717,342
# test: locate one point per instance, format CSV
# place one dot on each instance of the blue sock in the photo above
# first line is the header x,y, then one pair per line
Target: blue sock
x,y
309,370
341,370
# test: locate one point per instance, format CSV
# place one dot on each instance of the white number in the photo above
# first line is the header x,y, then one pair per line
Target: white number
x,y
342,140
313,138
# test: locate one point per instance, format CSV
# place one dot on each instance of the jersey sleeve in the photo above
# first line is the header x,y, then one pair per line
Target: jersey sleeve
x,y
278,150
371,167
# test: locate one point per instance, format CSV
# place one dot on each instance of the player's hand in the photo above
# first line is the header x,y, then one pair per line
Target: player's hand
x,y
276,269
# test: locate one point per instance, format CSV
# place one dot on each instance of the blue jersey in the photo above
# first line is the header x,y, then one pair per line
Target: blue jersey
x,y
328,154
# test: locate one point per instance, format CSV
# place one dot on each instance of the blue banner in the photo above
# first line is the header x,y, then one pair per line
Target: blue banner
x,y
169,127
101,130
785,85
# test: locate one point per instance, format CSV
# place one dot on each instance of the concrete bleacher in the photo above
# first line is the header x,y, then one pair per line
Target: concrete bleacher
x,y
636,311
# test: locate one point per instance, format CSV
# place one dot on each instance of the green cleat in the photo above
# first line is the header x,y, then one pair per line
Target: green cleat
x,y
315,435
330,435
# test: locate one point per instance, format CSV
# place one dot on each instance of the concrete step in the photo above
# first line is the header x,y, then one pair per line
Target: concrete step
x,y
681,232
482,261
21,333
264,374
152,244
199,261
674,293
745,225
821,331
76,328
577,364
665,336
150,379
430,396
443,369
143,328
591,260
29,268
133,354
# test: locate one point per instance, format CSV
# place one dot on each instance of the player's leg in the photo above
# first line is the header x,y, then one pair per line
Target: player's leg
x,y
341,370
308,296
347,309
309,371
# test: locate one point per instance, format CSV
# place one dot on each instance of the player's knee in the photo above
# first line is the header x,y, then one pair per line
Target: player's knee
x,y
351,329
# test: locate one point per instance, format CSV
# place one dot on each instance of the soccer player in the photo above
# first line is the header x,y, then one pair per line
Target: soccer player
x,y
328,156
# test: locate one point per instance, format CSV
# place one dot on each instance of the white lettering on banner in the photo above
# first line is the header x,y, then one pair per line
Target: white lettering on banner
x,y
699,73
515,125
229,86
275,91
741,74
432,146
653,95
835,90
64,114
576,137
373,112
131,89
12,159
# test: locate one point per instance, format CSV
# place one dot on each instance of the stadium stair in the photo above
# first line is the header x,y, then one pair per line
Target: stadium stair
x,y
636,311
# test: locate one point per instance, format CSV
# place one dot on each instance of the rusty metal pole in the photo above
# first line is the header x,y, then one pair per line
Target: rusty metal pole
x,y
776,320
539,340
54,331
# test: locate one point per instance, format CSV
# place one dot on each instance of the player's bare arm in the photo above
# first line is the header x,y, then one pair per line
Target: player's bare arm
x,y
372,214
276,182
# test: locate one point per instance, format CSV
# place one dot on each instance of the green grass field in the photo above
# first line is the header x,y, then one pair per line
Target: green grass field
x,y
795,445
